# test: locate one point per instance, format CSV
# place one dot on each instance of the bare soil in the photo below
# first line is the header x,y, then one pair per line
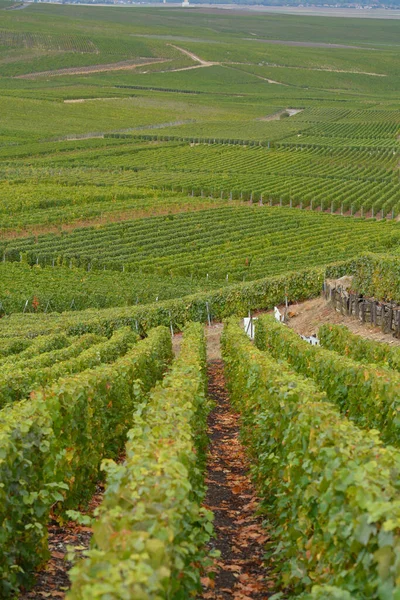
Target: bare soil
x,y
52,580
308,316
240,535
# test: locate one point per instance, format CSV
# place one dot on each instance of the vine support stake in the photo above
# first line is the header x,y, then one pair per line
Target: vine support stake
x,y
208,314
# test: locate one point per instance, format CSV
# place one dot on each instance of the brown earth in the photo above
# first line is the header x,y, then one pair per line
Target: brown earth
x,y
309,315
52,580
240,534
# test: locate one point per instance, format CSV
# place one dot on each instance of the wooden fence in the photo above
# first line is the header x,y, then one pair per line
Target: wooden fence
x,y
385,315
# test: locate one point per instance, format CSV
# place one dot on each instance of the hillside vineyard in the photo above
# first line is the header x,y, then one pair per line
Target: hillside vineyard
x,y
166,171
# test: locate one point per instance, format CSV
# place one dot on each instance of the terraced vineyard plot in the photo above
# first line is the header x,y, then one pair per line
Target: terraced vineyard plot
x,y
18,380
341,340
51,207
205,306
167,529
367,393
231,243
64,43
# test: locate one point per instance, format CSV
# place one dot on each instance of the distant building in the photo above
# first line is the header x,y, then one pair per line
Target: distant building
x,y
185,3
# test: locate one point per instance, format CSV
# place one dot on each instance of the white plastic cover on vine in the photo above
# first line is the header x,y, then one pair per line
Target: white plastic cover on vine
x,y
248,323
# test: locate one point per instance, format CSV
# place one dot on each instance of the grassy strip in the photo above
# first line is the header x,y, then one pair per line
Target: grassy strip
x,y
150,535
331,488
341,340
366,393
52,446
16,384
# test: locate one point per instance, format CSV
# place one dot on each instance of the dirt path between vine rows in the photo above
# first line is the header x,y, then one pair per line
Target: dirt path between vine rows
x,y
52,580
240,535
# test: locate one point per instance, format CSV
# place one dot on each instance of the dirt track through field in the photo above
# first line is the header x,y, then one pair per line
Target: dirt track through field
x,y
119,66
204,63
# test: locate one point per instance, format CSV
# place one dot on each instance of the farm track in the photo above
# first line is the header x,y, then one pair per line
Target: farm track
x,y
308,316
18,6
118,66
203,63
